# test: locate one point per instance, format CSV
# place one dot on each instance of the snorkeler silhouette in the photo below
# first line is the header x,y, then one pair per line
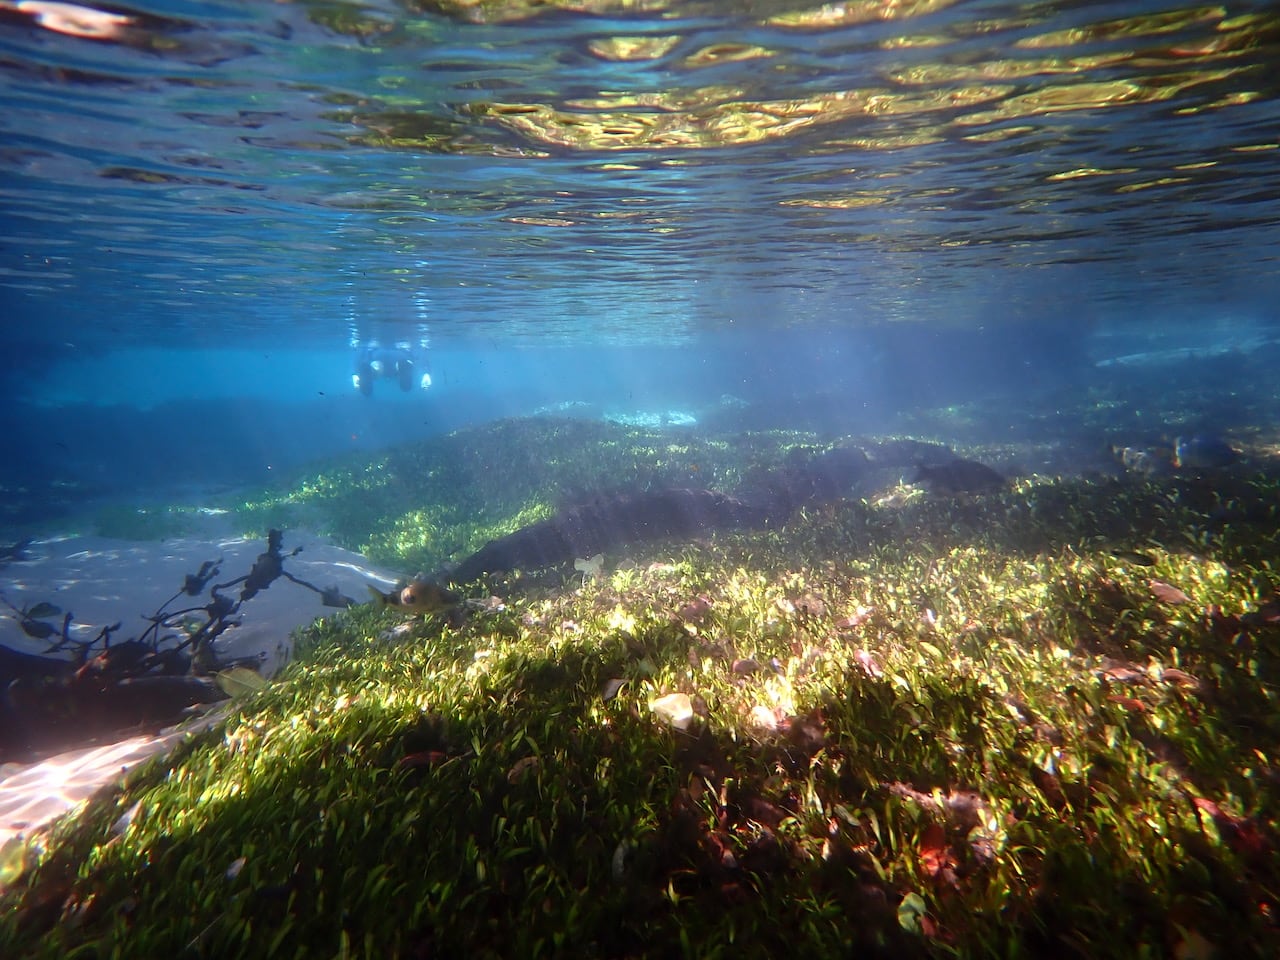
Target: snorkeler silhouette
x,y
397,363
404,360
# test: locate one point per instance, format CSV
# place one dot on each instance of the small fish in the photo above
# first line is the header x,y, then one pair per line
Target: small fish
x,y
43,610
1204,451
957,476
419,596
1133,556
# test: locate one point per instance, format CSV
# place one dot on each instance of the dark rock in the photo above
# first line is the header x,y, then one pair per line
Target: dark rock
x,y
608,522
958,476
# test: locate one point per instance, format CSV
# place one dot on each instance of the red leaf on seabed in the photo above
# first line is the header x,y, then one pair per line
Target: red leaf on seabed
x,y
855,620
1180,678
1124,673
1241,834
868,663
696,610
936,858
1167,593
1209,807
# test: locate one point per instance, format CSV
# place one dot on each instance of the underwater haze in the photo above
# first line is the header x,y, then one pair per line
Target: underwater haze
x,y
206,206
811,467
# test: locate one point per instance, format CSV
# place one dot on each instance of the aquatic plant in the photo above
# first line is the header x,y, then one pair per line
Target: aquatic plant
x,y
427,504
1040,720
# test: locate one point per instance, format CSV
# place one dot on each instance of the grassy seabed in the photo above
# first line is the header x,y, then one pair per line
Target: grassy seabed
x,y
1037,722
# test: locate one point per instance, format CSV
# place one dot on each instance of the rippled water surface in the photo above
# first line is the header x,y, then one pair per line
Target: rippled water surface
x,y
596,169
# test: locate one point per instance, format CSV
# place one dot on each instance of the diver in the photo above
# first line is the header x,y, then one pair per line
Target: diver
x,y
374,362
404,361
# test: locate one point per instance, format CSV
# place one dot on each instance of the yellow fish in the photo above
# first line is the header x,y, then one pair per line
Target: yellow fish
x,y
417,596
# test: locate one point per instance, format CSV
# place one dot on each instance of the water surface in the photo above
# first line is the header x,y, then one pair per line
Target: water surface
x,y
207,173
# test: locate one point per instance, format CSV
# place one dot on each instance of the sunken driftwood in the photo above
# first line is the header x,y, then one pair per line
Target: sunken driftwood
x,y
107,688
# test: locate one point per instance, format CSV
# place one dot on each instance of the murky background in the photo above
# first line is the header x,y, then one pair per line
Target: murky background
x,y
209,209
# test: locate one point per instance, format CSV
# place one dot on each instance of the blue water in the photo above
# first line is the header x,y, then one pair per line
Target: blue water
x,y
1043,234
850,212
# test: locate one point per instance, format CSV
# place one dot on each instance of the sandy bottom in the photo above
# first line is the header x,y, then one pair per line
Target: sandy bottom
x,y
31,795
102,581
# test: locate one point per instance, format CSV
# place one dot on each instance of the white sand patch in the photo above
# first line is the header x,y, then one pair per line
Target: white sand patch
x,y
33,794
102,581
